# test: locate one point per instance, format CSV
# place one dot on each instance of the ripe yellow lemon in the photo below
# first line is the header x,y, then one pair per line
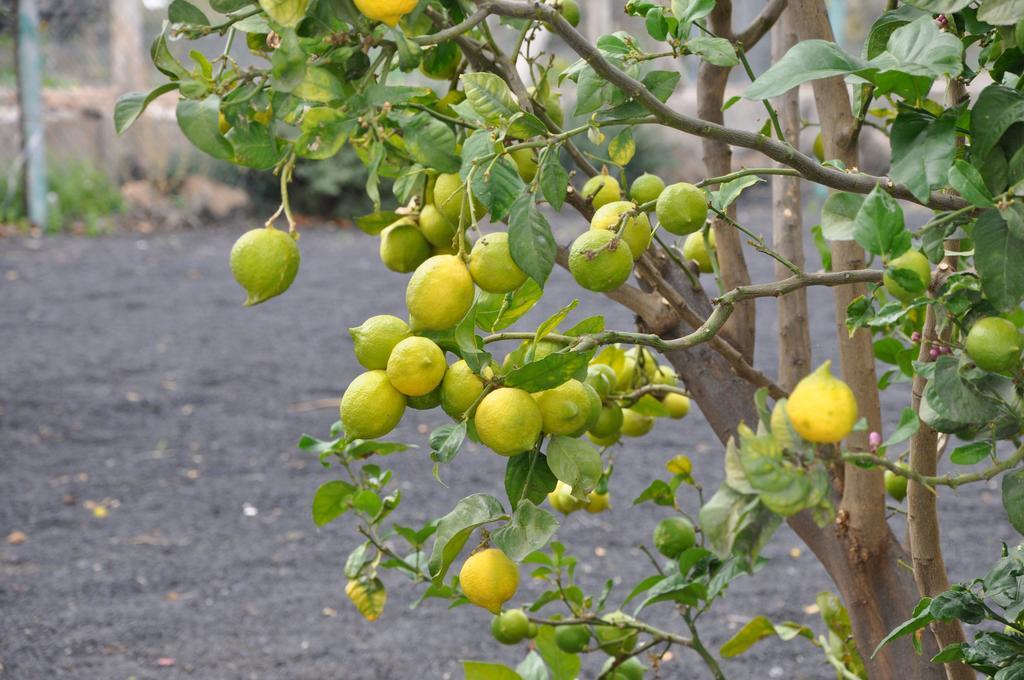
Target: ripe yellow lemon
x,y
264,261
677,405
376,337
436,228
508,421
636,231
915,261
387,11
601,190
564,409
694,250
822,408
489,579
635,424
600,261
682,208
646,188
371,406
491,264
416,366
562,500
993,343
439,294
403,247
460,388
450,199
597,502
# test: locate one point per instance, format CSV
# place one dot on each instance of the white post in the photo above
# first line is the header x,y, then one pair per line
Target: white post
x,y
30,100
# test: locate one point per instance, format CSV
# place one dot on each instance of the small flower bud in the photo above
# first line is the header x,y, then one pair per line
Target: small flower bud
x,y
915,337
874,441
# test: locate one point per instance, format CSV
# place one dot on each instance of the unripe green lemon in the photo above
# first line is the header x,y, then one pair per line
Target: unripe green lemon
x,y
371,406
665,375
600,261
593,411
819,148
564,409
602,378
425,402
630,669
436,228
673,535
601,190
694,250
439,293
510,627
993,343
376,337
635,424
682,208
460,388
915,261
609,422
821,408
403,247
450,199
569,9
614,638
416,366
562,500
646,188
572,639
636,231
526,163
603,441
491,264
895,485
489,579
264,262
678,405
508,421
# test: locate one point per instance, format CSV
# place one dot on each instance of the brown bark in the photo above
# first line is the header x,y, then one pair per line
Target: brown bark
x,y
712,80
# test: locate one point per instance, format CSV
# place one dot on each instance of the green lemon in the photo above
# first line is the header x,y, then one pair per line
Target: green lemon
x,y
416,366
602,378
526,163
510,627
819,148
635,231
425,402
665,375
694,250
460,388
593,411
601,190
614,637
436,228
609,422
570,10
646,188
572,639
562,500
264,261
371,406
629,669
376,337
439,293
403,247
916,262
565,409
635,424
673,535
895,485
450,199
677,405
603,441
508,421
600,261
993,343
491,264
682,208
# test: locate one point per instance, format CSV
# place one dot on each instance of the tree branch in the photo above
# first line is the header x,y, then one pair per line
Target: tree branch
x,y
761,24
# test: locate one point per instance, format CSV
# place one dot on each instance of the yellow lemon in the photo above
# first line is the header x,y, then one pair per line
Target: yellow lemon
x,y
526,163
450,199
264,261
694,250
677,405
635,424
376,337
403,247
601,190
387,11
371,406
508,421
439,294
564,409
916,262
489,579
562,500
416,366
636,230
460,388
597,502
646,188
822,408
436,228
491,264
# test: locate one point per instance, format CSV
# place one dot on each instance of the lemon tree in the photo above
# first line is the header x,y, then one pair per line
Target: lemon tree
x,y
477,133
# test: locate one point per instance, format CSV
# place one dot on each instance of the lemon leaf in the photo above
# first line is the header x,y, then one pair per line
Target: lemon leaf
x,y
288,13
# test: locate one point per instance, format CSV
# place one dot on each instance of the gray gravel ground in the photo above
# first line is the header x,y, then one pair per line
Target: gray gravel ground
x,y
131,376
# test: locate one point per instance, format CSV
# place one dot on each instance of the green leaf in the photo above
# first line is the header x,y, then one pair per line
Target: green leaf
x,y
758,628
184,12
737,524
130,106
997,257
915,55
552,177
551,371
164,61
574,462
909,423
659,492
228,6
997,108
921,618
499,187
331,501
319,84
254,146
563,666
532,667
431,142
1001,13
940,6
878,36
524,125
622,147
922,150
968,182
367,502
958,603
1013,499
717,51
324,131
531,243
200,121
551,323
878,226
454,529
730,191
969,454
687,11
446,440
662,83
288,13
527,476
807,60
824,252
529,529
495,311
489,96
480,670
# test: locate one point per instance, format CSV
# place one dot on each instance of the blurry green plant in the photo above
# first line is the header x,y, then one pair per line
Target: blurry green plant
x,y
80,193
